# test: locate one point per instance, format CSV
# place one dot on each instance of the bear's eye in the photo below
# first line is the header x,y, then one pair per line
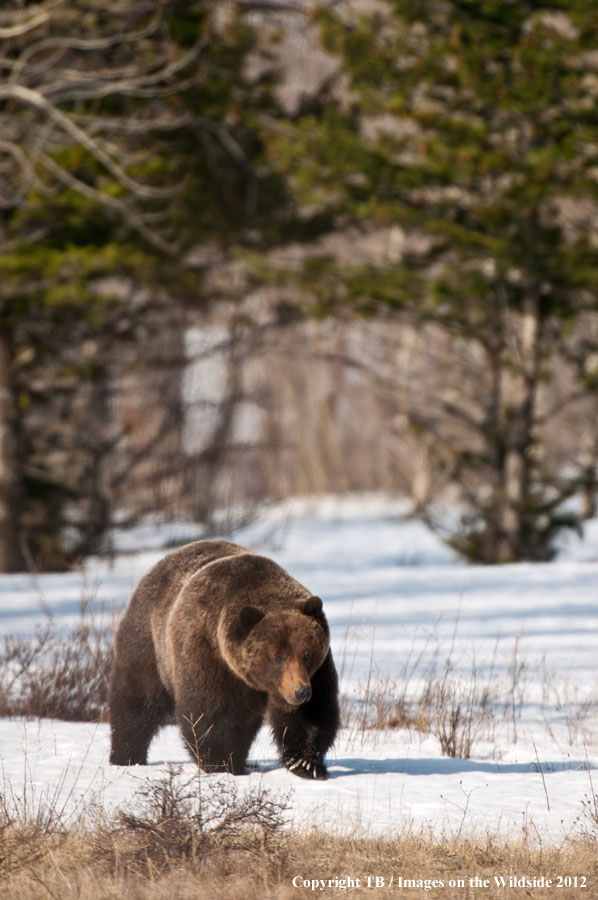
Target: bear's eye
x,y
306,656
278,660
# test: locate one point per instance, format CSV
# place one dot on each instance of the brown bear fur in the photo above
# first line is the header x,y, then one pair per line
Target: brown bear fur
x,y
223,637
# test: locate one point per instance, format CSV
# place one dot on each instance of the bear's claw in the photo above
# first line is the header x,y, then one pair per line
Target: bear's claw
x,y
306,768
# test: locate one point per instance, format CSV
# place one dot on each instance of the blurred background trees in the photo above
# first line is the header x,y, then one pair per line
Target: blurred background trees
x,y
250,250
122,148
469,130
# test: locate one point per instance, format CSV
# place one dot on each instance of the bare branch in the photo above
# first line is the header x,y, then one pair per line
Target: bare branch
x,y
38,101
131,81
99,124
20,157
130,216
72,42
13,31
265,6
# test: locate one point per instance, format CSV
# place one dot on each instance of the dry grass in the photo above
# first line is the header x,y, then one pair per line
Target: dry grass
x,y
462,704
190,836
458,709
119,863
380,705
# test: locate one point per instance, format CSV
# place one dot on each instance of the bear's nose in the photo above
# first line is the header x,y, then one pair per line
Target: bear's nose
x,y
303,693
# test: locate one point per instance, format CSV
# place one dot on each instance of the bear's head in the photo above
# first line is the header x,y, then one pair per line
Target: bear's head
x,y
279,651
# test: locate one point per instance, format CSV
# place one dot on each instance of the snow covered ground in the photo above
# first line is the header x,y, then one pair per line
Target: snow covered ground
x,y
401,609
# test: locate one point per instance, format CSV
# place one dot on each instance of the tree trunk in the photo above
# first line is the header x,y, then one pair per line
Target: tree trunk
x,y
589,476
518,401
11,557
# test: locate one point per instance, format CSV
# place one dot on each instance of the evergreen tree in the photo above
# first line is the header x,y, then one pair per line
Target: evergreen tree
x,y
471,126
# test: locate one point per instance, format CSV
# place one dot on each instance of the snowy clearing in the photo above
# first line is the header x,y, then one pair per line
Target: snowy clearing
x,y
399,606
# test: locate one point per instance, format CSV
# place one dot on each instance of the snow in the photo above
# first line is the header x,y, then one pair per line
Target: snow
x,y
402,608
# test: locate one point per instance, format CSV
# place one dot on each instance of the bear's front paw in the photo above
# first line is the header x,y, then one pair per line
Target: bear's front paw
x,y
306,768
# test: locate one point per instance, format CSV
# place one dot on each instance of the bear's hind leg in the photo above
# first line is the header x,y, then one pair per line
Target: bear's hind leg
x,y
305,734
134,720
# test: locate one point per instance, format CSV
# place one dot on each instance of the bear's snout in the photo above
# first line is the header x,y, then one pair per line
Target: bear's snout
x,y
294,686
303,693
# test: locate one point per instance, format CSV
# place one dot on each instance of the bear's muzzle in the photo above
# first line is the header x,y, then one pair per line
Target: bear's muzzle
x,y
303,693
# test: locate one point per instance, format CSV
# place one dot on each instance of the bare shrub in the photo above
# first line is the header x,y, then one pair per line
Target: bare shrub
x,y
382,705
387,703
180,823
185,817
452,718
56,674
453,709
20,846
391,709
575,707
588,818
460,711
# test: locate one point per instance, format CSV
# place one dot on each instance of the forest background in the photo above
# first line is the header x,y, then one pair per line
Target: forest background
x,y
250,250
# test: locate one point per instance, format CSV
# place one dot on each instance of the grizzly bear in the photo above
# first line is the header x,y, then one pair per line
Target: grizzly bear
x,y
224,638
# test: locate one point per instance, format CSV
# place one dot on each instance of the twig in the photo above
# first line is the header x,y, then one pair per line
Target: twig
x,y
542,774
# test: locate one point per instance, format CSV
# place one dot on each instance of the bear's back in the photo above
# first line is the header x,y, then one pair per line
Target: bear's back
x,y
160,587
162,584
209,605
239,579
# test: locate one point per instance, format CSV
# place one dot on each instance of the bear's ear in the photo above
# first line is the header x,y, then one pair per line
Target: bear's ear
x,y
248,619
313,607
